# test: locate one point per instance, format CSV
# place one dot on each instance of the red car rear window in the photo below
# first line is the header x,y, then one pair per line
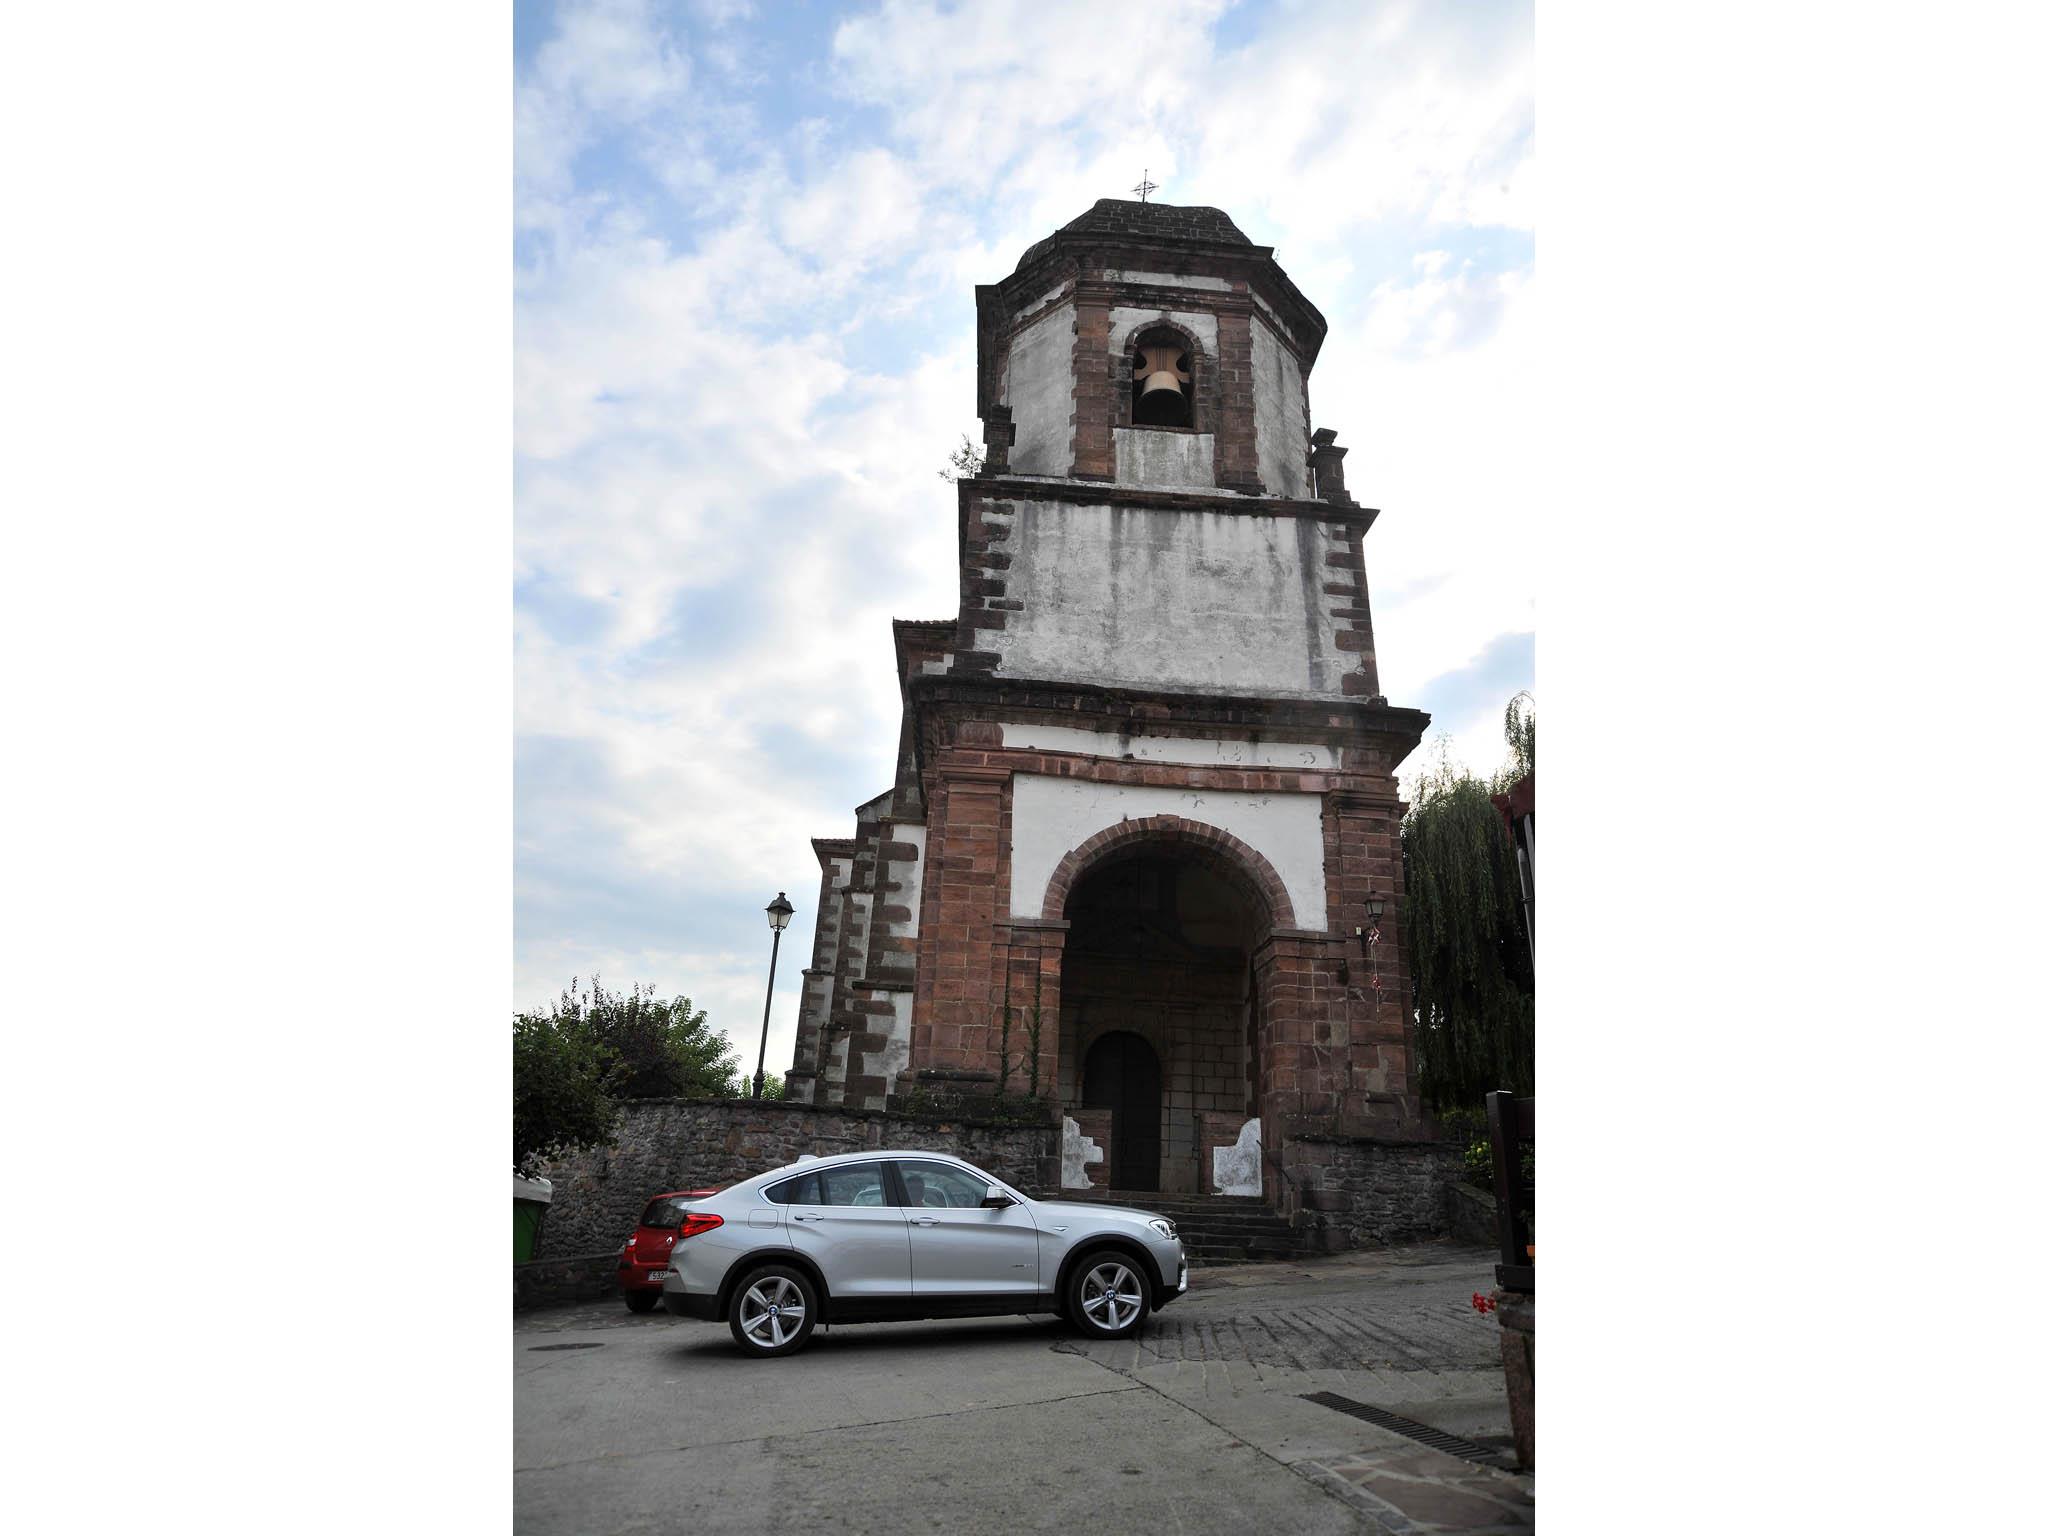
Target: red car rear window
x,y
665,1212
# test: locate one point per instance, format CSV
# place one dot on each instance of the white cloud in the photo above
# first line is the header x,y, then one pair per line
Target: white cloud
x,y
1441,311
606,59
1332,116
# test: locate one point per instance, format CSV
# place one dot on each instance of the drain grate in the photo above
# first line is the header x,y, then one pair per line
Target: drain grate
x,y
1435,1439
534,1349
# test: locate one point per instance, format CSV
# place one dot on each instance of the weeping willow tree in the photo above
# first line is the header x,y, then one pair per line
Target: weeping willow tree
x,y
1475,994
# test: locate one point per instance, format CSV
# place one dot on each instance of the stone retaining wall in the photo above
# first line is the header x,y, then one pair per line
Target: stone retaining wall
x,y
1363,1193
1474,1216
579,1277
666,1144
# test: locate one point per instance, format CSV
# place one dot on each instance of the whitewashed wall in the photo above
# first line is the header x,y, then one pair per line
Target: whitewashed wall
x,y
1279,414
1038,387
1132,596
909,873
1051,817
1168,460
895,1056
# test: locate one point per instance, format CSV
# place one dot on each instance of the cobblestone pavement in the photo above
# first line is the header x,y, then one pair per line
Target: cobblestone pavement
x,y
1311,1338
1021,1424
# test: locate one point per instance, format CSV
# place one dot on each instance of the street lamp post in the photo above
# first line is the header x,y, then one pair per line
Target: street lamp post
x,y
779,911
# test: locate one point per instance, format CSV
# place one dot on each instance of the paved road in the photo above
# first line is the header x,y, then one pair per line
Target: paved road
x,y
656,1424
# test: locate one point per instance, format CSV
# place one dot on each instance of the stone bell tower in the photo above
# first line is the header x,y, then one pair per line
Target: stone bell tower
x,y
1186,367
1144,808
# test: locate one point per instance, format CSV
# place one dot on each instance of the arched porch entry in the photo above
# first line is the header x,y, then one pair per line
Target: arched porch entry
x,y
1160,1019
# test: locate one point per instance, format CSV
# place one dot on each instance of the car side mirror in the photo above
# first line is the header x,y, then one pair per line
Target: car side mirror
x,y
996,1202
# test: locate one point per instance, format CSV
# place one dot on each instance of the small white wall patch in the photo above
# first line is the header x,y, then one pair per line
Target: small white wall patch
x,y
1076,1153
1237,1168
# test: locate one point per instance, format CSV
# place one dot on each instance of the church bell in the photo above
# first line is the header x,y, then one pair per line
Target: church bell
x,y
1163,378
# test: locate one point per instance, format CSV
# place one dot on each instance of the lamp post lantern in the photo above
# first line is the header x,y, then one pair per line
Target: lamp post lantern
x,y
779,912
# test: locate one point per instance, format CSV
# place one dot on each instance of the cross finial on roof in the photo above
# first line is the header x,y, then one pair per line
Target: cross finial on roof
x,y
1146,186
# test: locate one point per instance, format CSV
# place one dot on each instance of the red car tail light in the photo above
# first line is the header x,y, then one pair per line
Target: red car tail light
x,y
699,1221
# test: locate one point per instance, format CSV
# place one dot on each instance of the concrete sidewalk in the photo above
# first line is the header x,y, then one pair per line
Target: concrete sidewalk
x,y
653,1424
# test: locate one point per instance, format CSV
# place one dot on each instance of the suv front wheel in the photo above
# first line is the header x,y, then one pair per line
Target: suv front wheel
x,y
774,1310
1106,1296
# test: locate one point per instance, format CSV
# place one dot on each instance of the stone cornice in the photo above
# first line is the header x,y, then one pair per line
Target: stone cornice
x,y
1357,802
1336,721
1082,253
1110,493
971,775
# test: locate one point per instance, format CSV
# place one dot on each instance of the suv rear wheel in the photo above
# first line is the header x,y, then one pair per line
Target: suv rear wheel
x,y
1107,1297
774,1309
641,1301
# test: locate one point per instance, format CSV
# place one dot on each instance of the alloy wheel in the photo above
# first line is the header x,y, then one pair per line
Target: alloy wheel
x,y
771,1311
1111,1296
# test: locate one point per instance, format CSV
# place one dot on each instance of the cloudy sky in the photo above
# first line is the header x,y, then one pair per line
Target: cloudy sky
x,y
747,242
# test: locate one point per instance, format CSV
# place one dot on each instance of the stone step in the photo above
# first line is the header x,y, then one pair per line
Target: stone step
x,y
1221,1205
1203,1257
1240,1224
1215,1229
1142,1196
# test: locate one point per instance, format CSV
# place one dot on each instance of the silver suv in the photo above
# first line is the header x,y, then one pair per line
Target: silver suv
x,y
885,1236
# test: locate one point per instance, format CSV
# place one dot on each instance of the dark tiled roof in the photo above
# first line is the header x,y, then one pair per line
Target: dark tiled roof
x,y
1119,216
1147,221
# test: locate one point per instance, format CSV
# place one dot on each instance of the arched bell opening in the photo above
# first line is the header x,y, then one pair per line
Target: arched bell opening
x,y
1158,1006
1162,368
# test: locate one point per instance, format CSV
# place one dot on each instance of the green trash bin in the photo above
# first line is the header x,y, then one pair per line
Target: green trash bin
x,y
530,1198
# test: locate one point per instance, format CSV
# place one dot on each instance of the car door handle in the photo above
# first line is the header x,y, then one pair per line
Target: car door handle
x,y
806,1218
924,1221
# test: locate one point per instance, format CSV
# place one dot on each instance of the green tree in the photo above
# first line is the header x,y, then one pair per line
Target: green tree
x,y
666,1049
560,1069
592,1048
1474,990
963,463
1520,730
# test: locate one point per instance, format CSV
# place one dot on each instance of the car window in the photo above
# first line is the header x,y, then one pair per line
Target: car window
x,y
664,1213
942,1185
801,1190
859,1184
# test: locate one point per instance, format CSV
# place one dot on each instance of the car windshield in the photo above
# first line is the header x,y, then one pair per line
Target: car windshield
x,y
668,1211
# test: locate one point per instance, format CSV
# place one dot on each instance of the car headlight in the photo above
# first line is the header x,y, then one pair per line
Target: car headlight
x,y
1163,1227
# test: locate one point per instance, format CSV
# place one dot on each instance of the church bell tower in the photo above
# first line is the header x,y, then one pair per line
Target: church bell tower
x,y
1142,849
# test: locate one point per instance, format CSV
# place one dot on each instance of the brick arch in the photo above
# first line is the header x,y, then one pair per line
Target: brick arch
x,y
1213,845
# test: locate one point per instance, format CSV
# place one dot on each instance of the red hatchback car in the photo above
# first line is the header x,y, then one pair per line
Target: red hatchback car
x,y
643,1262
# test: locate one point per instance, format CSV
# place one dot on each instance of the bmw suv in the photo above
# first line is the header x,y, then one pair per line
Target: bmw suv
x,y
888,1236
